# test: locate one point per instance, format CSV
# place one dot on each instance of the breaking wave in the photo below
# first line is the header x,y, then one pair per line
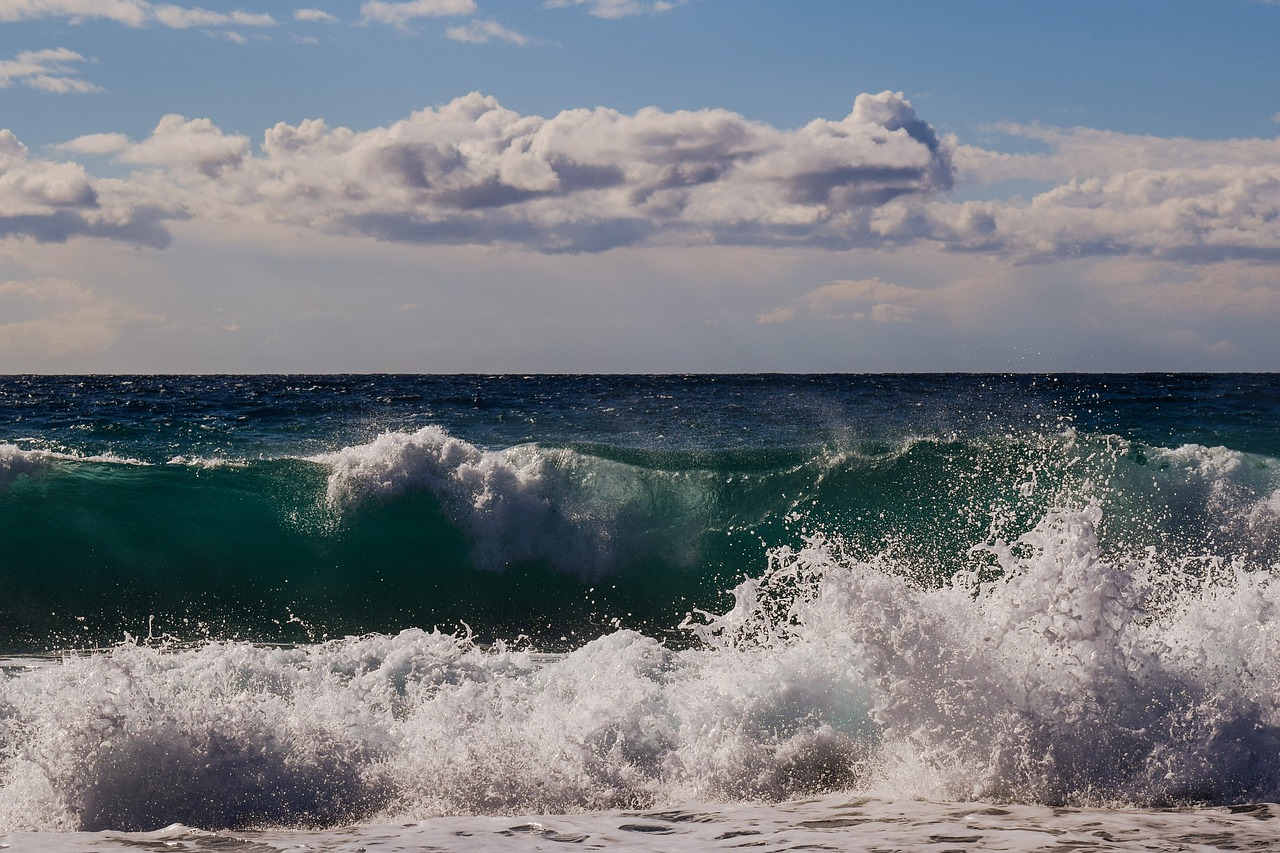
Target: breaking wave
x,y
559,544
1051,670
581,514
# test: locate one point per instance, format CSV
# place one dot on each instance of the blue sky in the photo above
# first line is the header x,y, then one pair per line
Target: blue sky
x,y
629,185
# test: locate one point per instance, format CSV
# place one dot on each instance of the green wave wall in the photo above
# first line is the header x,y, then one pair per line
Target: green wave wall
x,y
258,551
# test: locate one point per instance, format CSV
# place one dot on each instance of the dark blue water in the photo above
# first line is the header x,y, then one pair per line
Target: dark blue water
x,y
269,416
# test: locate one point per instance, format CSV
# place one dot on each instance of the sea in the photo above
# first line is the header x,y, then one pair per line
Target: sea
x,y
776,612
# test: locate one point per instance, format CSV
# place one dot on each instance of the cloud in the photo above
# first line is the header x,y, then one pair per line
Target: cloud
x,y
482,32
188,146
472,172
873,299
1081,151
60,85
47,70
778,315
1186,339
35,187
96,143
1202,214
614,9
181,18
1235,289
51,202
227,35
60,317
318,16
400,14
1110,194
133,13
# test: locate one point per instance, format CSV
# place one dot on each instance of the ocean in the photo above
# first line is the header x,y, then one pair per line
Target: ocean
x,y
846,612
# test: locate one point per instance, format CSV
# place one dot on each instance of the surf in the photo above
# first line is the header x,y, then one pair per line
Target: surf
x,y
1051,672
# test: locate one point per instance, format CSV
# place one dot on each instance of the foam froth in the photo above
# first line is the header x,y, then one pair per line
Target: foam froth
x,y
1069,676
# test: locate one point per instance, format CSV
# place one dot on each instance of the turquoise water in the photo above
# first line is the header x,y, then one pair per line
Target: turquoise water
x,y
199,507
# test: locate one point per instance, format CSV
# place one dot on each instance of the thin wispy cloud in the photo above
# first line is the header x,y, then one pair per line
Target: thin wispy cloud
x,y
48,70
180,18
96,144
482,32
614,9
70,318
318,16
401,14
133,13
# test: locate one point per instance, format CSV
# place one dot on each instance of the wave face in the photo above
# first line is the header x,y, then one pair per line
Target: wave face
x,y
277,601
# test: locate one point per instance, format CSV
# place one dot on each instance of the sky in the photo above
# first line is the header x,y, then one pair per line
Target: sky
x,y
519,186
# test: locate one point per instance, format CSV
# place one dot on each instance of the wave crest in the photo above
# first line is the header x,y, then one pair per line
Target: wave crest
x,y
15,462
526,503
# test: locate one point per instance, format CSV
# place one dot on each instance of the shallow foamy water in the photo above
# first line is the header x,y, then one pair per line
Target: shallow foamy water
x,y
831,823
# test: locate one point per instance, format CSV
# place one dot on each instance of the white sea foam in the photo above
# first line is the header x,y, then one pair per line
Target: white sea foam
x,y
1230,499
206,462
414,725
15,462
1074,676
527,502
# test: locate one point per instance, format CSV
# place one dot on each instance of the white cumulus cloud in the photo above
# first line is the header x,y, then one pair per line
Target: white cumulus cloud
x,y
50,202
473,172
1112,194
181,146
584,180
